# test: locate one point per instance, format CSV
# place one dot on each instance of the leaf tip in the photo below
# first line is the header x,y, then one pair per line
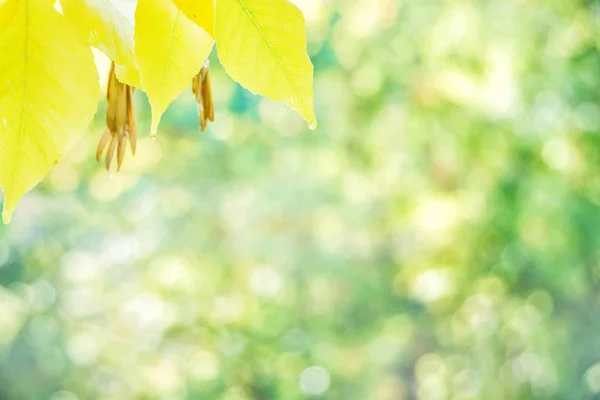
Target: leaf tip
x,y
306,108
6,216
154,128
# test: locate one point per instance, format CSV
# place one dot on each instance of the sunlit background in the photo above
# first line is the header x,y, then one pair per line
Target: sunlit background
x,y
437,237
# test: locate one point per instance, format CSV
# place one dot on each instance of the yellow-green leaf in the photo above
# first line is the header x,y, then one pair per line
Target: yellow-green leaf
x,y
48,92
262,45
170,50
104,27
201,12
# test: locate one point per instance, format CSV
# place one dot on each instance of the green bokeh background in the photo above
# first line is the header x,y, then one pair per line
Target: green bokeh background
x,y
437,237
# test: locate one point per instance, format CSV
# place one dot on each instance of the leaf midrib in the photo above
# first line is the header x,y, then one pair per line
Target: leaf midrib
x,y
168,63
258,28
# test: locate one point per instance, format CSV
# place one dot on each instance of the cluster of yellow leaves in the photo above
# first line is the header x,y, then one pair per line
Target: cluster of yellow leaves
x,y
49,84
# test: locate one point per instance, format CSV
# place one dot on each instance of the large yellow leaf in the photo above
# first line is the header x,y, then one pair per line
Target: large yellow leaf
x,y
262,45
201,12
8,9
170,50
48,93
104,27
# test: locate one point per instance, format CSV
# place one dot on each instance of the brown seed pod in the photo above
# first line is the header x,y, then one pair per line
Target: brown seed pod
x,y
131,126
102,144
120,121
202,90
209,106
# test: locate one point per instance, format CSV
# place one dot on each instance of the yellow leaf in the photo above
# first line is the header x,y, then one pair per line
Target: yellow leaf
x,y
8,9
128,75
104,27
201,12
48,92
262,45
170,50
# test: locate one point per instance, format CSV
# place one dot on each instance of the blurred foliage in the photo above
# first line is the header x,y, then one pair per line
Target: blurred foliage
x,y
438,237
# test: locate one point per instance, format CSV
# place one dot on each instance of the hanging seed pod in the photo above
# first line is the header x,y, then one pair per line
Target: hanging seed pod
x,y
120,121
203,92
